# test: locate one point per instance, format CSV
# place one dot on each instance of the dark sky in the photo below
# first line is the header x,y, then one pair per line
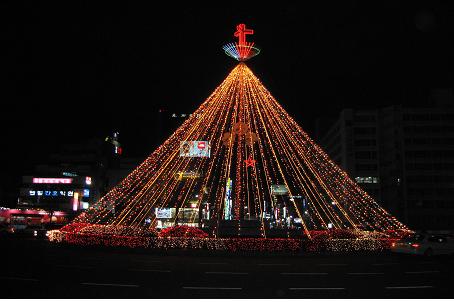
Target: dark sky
x,y
75,70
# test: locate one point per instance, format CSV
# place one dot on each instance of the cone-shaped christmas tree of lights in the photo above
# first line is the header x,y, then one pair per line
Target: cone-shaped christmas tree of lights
x,y
240,156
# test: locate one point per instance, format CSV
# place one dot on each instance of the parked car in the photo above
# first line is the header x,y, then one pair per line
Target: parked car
x,y
425,244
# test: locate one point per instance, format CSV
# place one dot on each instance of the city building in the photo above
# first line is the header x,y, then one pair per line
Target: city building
x,y
65,193
353,143
73,178
402,157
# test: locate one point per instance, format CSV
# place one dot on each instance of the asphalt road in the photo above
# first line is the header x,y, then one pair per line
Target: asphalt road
x,y
38,269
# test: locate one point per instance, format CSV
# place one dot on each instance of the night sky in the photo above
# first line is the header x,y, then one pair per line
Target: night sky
x,y
74,71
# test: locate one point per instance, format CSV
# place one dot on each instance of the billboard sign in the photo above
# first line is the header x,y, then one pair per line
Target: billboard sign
x,y
164,212
186,175
48,193
279,190
39,180
195,148
228,200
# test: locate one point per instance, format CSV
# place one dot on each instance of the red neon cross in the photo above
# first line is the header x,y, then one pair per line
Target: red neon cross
x,y
241,33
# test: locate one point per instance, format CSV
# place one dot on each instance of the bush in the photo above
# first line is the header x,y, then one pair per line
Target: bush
x,y
183,231
117,230
343,234
320,238
74,227
111,230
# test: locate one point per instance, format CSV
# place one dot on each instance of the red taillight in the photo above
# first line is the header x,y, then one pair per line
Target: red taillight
x,y
393,244
415,245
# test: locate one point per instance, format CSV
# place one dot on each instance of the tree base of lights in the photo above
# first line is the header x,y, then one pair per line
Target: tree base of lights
x,y
187,238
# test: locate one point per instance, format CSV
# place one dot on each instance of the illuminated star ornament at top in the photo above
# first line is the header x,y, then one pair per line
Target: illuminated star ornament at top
x,y
243,50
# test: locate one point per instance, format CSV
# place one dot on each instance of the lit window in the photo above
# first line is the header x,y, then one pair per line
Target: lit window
x,y
367,180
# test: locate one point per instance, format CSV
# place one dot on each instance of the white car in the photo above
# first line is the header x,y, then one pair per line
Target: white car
x,y
425,244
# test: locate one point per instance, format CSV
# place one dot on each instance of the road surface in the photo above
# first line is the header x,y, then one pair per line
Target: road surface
x,y
39,269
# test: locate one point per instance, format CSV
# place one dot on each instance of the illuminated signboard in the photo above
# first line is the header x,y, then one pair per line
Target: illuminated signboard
x,y
52,180
187,215
76,201
69,174
86,193
186,175
164,212
88,180
228,200
54,193
279,190
195,148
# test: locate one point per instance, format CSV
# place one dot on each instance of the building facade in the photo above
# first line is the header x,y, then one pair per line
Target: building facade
x,y
71,179
68,194
402,157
